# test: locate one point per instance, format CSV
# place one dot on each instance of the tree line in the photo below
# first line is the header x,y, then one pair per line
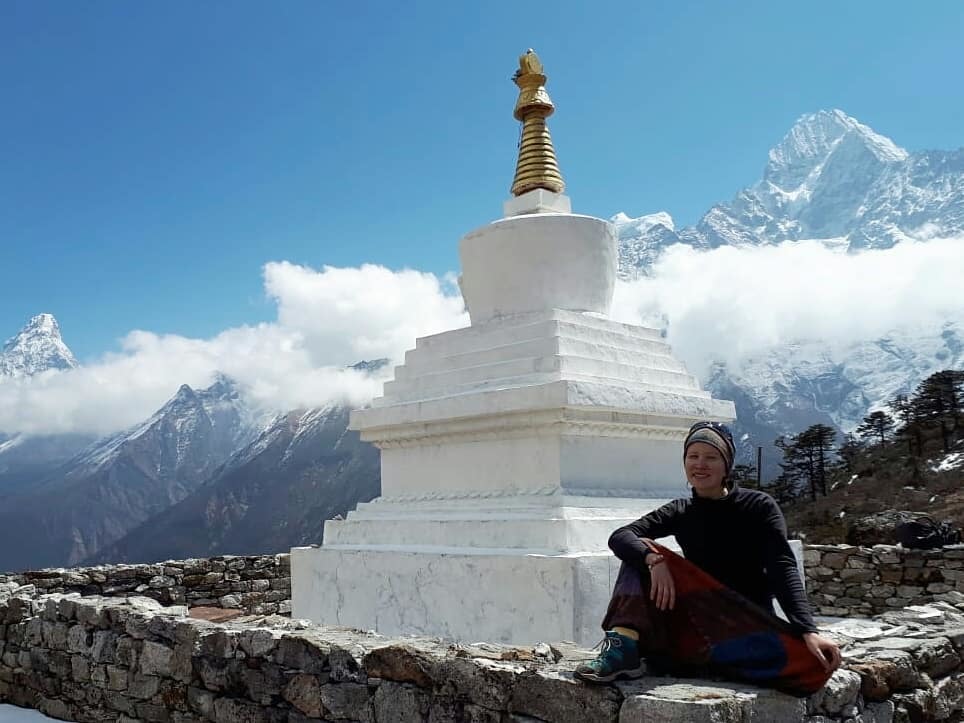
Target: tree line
x,y
936,408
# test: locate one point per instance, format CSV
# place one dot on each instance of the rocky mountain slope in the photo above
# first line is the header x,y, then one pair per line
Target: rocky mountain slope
x,y
116,483
304,468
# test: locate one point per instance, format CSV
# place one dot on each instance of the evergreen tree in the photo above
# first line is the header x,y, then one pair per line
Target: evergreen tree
x,y
849,450
817,442
783,489
911,426
939,401
806,456
876,424
793,468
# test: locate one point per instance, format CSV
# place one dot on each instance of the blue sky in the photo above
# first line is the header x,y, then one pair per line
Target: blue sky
x,y
156,155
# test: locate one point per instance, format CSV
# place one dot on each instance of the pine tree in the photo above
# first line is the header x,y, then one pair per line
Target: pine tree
x,y
939,400
817,444
848,451
793,468
876,424
806,457
911,426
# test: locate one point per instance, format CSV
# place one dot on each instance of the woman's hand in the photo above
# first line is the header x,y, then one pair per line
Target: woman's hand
x,y
826,650
662,588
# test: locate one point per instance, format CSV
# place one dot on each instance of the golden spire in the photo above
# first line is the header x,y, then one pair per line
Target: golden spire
x,y
537,166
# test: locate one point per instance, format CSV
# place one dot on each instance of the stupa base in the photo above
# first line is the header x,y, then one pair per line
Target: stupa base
x,y
496,597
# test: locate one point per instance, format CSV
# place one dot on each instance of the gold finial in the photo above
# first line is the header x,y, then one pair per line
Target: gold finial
x,y
537,166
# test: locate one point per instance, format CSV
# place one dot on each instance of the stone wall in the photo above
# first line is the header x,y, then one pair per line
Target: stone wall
x,y
863,581
256,584
125,659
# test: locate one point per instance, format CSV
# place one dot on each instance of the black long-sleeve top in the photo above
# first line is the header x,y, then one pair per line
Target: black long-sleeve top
x,y
740,539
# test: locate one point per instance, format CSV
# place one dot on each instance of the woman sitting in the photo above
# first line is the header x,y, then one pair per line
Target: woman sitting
x,y
712,612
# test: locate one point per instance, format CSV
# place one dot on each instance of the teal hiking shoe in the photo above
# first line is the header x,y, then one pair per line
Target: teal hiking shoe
x,y
618,658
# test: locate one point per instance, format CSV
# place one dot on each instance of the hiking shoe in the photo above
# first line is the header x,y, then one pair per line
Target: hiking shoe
x,y
618,658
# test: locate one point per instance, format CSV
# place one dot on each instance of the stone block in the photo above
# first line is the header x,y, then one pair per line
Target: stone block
x,y
840,692
851,575
156,659
304,693
218,643
80,668
55,635
555,696
201,702
98,675
909,591
264,683
116,678
230,601
485,682
834,560
258,643
936,657
395,701
347,701
891,575
142,686
882,712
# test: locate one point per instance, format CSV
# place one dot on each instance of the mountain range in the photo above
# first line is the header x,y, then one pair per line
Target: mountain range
x,y
206,474
835,180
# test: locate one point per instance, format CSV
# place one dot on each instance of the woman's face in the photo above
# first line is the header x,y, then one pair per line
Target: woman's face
x,y
705,469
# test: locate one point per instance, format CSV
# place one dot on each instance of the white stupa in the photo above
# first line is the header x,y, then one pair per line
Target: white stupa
x,y
512,448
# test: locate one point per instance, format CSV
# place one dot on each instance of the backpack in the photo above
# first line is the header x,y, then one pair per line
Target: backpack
x,y
924,533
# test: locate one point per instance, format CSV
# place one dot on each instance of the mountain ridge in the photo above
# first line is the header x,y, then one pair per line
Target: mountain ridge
x,y
830,177
268,485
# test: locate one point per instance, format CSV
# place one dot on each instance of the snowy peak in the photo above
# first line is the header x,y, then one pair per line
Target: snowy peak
x,y
641,240
192,429
834,178
38,347
814,138
643,224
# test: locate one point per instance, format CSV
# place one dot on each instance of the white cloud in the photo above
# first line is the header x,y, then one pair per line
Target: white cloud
x,y
326,321
347,314
726,303
730,303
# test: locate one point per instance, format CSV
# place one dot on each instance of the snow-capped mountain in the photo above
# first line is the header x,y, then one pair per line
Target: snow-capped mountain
x,y
831,177
183,434
642,240
36,348
118,482
800,384
276,493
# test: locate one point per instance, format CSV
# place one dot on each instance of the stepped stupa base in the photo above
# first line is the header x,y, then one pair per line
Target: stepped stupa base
x,y
494,597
